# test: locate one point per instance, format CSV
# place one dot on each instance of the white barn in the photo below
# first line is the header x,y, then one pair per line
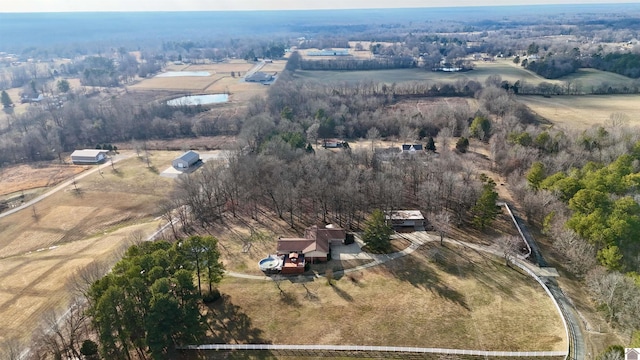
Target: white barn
x,y
186,160
89,156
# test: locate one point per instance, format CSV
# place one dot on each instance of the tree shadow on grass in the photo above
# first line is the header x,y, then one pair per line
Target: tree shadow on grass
x,y
343,294
462,261
421,276
229,325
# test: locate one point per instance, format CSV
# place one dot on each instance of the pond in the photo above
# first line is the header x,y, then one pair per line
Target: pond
x,y
193,100
184,73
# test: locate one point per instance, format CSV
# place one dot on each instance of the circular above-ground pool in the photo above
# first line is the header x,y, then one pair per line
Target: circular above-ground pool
x,y
193,100
270,263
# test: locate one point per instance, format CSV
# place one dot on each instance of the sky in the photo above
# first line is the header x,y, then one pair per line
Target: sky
x,y
212,5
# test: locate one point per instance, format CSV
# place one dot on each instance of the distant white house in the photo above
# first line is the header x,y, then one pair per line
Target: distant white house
x,y
186,160
88,156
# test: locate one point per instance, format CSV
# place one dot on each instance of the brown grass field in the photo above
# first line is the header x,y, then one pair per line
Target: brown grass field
x,y
220,80
25,177
42,246
462,300
582,112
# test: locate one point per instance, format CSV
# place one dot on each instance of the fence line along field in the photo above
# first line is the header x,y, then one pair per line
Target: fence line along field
x,y
43,245
582,112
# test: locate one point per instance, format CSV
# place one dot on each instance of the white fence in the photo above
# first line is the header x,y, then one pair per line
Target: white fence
x,y
390,349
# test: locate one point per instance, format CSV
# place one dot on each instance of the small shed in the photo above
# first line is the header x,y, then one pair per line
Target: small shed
x,y
186,160
88,156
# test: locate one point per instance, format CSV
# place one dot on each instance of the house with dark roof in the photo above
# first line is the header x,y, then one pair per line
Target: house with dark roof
x,y
412,148
315,245
186,160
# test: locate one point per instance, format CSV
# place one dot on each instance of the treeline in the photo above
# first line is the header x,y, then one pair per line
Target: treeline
x,y
43,133
148,303
580,188
145,306
557,66
349,110
553,67
378,63
627,64
342,187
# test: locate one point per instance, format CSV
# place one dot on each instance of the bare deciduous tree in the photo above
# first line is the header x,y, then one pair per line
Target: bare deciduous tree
x,y
441,222
508,245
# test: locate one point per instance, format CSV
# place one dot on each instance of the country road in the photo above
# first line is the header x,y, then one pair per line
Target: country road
x,y
65,184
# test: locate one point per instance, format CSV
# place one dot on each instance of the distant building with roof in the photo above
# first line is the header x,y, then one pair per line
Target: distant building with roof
x,y
186,160
88,156
259,77
412,148
406,219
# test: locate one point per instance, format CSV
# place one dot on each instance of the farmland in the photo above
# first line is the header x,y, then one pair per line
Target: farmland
x,y
482,71
581,112
505,68
220,80
42,246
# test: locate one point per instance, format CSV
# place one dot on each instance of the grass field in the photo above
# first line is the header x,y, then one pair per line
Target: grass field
x,y
480,73
509,71
25,177
582,112
437,297
42,246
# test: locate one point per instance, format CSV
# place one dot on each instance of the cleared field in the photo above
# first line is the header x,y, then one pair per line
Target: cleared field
x,y
25,177
354,54
185,83
275,66
225,68
505,68
581,112
587,79
461,300
219,82
42,246
482,71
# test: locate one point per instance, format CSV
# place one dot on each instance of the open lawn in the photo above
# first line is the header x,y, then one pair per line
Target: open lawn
x,y
43,245
447,297
581,112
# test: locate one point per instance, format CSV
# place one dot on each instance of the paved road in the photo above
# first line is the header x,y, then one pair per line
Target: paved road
x,y
63,185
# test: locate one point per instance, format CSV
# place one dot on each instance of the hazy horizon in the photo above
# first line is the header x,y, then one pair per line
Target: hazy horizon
x,y
45,6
